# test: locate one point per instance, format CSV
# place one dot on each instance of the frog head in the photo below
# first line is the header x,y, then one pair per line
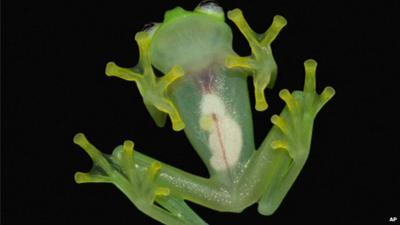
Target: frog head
x,y
191,39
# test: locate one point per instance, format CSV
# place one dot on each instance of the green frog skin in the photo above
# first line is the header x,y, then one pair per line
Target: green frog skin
x,y
204,93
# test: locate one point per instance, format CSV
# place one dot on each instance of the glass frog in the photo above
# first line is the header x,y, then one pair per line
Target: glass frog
x,y
204,93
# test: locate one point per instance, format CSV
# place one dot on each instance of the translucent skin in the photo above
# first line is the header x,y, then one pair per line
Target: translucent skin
x,y
204,92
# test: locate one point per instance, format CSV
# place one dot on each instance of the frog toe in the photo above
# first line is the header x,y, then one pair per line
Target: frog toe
x,y
314,100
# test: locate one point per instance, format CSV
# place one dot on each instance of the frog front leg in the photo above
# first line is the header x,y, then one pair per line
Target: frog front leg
x,y
154,90
260,63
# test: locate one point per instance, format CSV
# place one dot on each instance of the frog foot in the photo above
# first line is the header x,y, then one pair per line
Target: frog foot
x,y
153,89
296,120
261,62
120,170
138,181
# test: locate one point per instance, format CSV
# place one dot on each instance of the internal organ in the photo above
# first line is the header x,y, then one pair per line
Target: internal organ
x,y
224,134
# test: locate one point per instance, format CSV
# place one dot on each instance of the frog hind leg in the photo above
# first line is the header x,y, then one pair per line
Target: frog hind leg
x,y
294,136
138,184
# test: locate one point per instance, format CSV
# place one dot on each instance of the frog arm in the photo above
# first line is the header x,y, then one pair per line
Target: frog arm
x,y
137,177
261,62
154,90
284,151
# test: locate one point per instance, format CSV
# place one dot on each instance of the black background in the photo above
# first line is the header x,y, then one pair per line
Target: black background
x,y
53,86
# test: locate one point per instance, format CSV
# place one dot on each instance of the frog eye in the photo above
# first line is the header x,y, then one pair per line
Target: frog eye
x,y
150,28
210,7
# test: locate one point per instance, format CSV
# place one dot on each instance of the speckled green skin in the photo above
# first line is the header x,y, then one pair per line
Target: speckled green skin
x,y
194,50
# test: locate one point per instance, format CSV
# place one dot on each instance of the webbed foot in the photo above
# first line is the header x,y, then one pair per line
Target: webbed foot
x,y
292,133
295,123
137,182
154,90
261,62
120,170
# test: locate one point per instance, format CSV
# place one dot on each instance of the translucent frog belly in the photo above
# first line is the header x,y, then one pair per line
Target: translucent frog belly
x,y
218,121
212,100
